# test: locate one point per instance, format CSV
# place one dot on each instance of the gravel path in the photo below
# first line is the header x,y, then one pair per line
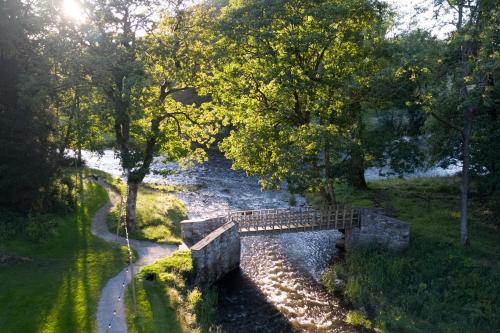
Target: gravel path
x,y
112,295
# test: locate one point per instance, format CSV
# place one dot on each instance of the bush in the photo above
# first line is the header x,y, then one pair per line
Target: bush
x,y
358,318
35,227
39,222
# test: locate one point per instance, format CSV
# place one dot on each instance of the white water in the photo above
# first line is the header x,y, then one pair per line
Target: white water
x,y
224,189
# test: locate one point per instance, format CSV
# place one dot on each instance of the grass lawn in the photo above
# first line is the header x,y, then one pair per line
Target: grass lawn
x,y
159,212
436,285
165,300
57,290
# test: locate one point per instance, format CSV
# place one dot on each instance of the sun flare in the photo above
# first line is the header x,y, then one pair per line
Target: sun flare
x,y
73,10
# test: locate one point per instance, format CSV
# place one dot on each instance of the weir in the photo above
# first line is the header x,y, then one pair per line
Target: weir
x,y
215,242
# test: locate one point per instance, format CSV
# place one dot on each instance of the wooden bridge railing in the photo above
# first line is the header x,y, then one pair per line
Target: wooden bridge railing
x,y
295,219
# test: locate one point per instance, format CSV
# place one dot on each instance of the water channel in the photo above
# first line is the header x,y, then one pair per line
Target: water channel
x,y
278,287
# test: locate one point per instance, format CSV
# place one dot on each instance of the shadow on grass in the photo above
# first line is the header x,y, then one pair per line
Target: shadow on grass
x,y
158,217
58,291
156,310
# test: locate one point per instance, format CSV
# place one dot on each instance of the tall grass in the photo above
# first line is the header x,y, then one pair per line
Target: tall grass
x,y
436,285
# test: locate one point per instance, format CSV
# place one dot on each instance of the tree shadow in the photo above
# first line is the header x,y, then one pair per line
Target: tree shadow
x,y
84,264
156,309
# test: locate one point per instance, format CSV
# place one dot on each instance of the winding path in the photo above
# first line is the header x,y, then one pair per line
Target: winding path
x,y
112,295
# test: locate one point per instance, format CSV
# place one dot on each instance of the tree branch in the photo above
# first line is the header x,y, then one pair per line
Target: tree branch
x,y
173,114
445,122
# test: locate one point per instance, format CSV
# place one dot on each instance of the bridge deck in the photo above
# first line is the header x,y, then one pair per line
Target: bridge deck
x,y
295,219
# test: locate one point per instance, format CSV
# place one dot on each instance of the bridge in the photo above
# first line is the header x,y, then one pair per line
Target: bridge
x,y
294,219
215,242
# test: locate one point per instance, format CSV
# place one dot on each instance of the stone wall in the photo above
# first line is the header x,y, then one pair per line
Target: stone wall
x,y
381,229
217,254
192,231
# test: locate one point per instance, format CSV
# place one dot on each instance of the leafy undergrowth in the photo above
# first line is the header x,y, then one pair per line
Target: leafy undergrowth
x,y
166,301
436,285
158,213
56,285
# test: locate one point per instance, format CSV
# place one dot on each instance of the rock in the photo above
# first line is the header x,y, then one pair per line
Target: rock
x,y
6,259
339,284
340,243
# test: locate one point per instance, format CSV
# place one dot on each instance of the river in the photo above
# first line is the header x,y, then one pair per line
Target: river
x,y
278,287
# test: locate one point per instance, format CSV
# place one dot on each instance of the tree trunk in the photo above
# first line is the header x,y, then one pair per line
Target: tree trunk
x,y
79,155
464,188
65,139
357,174
130,217
328,193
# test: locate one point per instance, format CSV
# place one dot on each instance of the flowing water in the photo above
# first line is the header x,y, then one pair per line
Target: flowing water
x,y
278,287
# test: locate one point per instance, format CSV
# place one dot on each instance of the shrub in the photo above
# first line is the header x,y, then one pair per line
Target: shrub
x,y
358,318
35,227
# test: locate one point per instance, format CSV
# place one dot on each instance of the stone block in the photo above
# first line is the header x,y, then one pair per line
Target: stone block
x,y
381,229
217,254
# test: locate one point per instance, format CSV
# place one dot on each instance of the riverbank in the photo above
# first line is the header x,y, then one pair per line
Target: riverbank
x,y
436,285
56,285
159,212
167,301
165,297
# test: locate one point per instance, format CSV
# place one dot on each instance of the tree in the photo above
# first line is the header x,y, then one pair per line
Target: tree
x,y
27,151
288,77
73,100
465,99
144,80
397,103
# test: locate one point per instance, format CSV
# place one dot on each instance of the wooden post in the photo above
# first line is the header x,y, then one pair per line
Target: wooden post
x,y
351,216
119,220
343,216
134,300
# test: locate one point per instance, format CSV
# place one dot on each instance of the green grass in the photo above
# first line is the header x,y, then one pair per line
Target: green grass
x,y
436,285
57,290
166,302
173,188
158,217
159,213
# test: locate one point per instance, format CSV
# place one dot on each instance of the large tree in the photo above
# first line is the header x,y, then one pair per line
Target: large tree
x,y
290,77
27,151
147,74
